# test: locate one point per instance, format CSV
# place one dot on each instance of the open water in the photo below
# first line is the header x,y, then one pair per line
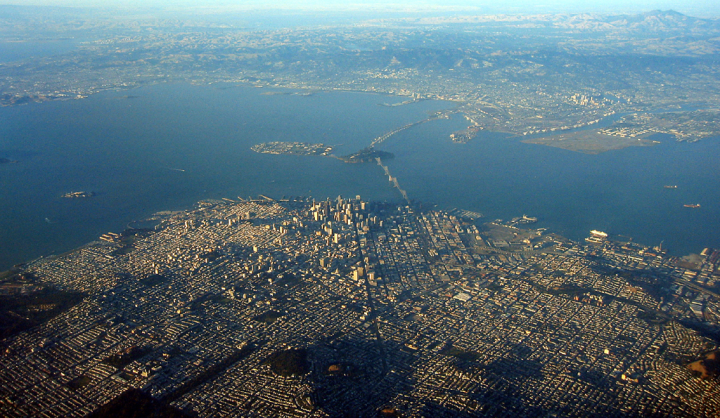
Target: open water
x,y
167,146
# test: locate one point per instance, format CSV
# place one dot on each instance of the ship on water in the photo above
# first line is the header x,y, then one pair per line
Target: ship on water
x,y
597,237
692,205
78,195
670,187
524,220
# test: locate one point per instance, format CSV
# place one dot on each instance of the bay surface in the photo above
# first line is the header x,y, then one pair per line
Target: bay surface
x,y
165,147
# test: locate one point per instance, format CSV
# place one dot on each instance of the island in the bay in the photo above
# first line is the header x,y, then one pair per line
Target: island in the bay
x,y
365,155
298,307
292,148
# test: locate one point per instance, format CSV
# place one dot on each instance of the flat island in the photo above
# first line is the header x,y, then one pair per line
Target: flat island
x,y
365,155
293,148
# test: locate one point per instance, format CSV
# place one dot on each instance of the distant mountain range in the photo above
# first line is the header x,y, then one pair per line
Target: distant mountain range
x,y
653,21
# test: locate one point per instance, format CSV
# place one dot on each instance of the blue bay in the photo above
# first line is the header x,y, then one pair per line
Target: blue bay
x,y
165,147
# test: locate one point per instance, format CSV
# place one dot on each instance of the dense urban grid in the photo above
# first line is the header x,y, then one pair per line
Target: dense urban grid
x,y
344,307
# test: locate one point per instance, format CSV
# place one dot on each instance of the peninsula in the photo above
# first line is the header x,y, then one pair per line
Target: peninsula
x,y
300,307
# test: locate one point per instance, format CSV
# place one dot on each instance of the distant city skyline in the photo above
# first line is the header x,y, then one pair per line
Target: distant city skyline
x,y
699,8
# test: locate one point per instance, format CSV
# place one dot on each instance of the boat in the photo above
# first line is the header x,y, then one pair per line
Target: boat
x,y
692,205
670,187
77,195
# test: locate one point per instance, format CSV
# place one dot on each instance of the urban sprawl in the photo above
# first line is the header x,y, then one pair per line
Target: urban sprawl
x,y
350,308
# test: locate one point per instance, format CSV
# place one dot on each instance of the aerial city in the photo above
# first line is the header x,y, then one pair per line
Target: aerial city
x,y
307,210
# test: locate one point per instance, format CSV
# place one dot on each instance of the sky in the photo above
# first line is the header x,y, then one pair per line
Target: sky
x,y
698,8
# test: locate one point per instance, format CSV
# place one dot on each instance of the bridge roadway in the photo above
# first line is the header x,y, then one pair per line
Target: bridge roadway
x,y
392,179
387,135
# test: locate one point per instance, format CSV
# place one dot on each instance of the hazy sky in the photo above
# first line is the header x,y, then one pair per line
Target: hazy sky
x,y
699,8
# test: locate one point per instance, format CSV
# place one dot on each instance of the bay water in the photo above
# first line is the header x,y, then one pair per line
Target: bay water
x,y
167,146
